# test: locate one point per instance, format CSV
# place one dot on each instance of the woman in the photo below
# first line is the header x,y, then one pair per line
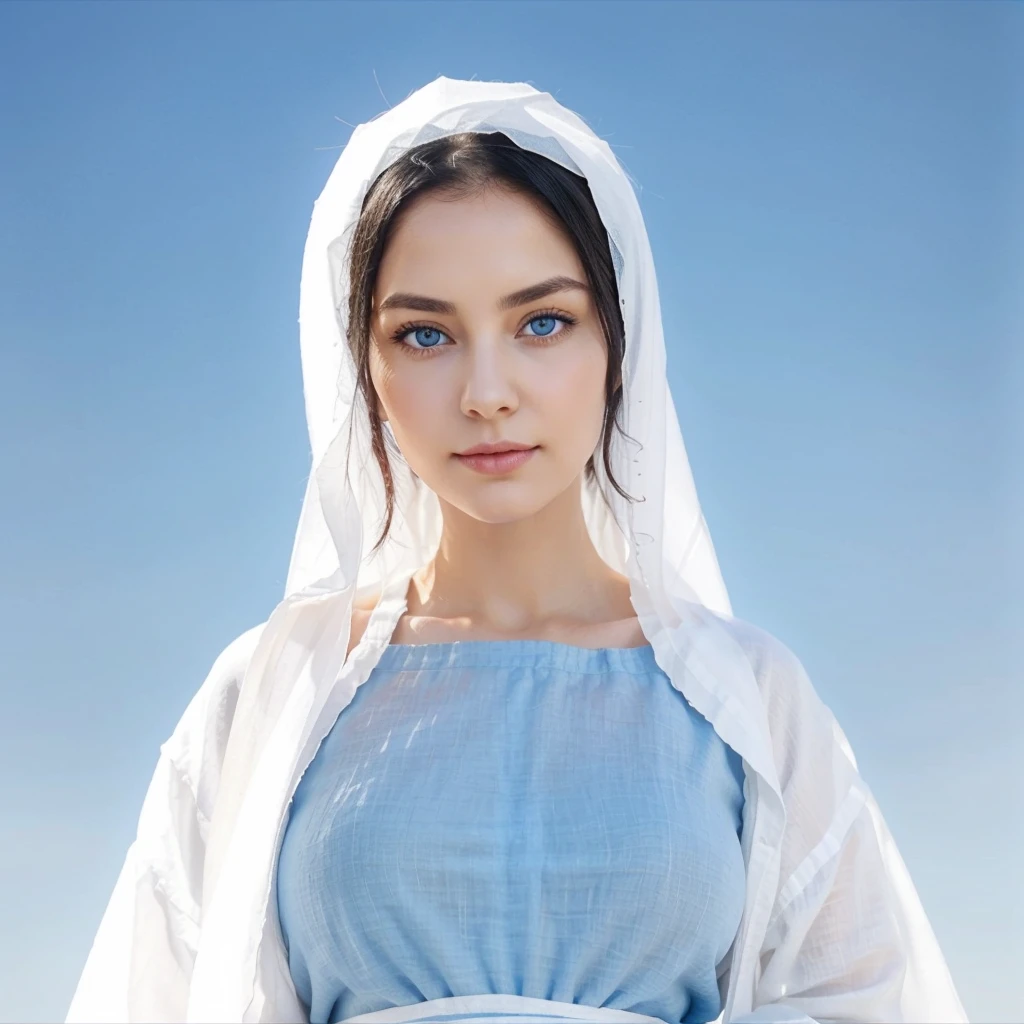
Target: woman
x,y
502,753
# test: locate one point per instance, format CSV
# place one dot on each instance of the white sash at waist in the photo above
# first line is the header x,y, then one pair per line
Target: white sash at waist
x,y
481,1010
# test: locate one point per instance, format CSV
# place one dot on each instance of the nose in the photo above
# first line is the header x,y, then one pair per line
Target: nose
x,y
489,389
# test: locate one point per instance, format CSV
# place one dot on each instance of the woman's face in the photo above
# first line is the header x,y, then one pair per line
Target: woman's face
x,y
459,359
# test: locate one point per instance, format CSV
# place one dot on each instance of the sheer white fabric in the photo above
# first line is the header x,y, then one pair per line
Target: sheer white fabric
x,y
832,927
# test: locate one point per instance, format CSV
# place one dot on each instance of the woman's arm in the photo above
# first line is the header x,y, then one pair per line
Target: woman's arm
x,y
140,965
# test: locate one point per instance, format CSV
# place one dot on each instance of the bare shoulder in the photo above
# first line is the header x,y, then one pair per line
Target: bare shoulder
x,y
362,609
625,632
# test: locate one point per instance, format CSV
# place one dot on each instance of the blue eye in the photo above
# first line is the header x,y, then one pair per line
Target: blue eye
x,y
426,342
425,336
549,321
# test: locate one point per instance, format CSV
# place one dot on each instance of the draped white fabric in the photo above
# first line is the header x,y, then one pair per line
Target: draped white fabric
x,y
832,928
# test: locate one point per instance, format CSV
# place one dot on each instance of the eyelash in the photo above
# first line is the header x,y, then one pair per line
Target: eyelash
x,y
547,314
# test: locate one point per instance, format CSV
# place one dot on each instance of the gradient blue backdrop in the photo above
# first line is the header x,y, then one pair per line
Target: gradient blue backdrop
x,y
833,196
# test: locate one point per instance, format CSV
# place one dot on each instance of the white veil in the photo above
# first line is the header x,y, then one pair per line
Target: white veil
x,y
657,467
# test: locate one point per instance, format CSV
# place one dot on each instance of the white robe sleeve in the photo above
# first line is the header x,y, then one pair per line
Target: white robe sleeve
x,y
848,939
140,965
141,959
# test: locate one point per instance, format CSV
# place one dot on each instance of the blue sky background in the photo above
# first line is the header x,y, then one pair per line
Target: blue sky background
x,y
833,193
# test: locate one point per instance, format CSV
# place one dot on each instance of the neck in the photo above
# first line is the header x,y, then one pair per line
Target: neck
x,y
515,577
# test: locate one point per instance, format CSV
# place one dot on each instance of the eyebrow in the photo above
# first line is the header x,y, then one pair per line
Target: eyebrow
x,y
560,283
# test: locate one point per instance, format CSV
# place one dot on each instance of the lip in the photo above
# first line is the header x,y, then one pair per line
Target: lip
x,y
494,447
502,460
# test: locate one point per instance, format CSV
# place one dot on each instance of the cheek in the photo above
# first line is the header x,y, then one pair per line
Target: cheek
x,y
575,395
411,408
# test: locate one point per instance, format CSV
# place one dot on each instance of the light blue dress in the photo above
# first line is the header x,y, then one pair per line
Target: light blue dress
x,y
514,816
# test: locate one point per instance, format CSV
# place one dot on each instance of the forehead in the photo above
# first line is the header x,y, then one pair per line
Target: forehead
x,y
481,241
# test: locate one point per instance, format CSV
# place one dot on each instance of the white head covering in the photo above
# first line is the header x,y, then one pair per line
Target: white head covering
x,y
331,532
660,542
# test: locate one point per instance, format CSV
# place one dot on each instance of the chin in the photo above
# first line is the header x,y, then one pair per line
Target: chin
x,y
500,508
